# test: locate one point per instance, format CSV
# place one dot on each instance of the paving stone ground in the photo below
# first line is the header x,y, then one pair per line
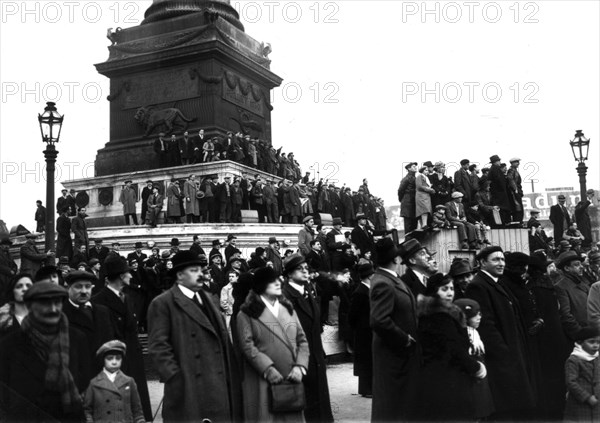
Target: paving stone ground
x,y
346,404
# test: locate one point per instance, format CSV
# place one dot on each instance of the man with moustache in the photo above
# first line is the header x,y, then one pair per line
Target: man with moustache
x,y
189,345
124,324
42,372
92,320
504,337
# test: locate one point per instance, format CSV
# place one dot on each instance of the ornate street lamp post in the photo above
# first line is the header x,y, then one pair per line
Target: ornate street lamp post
x,y
580,145
50,127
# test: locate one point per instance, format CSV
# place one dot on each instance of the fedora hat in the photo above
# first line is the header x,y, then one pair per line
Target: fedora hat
x,y
460,267
138,245
385,251
336,221
409,165
116,266
408,248
292,262
494,158
565,258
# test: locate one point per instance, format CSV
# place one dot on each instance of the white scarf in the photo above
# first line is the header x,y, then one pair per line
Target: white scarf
x,y
580,353
476,347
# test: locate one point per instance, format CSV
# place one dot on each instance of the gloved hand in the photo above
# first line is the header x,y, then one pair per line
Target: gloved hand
x,y
536,327
273,376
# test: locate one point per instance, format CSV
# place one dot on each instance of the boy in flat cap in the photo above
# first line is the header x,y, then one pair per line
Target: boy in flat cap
x,y
112,395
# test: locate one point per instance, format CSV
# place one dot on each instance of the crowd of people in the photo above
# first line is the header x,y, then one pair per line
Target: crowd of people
x,y
472,203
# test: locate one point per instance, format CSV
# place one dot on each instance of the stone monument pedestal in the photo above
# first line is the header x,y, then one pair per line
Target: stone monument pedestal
x,y
100,195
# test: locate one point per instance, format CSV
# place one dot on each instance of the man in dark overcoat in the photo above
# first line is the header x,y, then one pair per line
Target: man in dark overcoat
x,y
406,195
515,190
396,356
503,335
362,236
31,258
499,189
124,324
190,348
463,182
572,291
560,218
358,318
79,228
416,259
98,251
42,372
64,244
8,268
299,291
92,320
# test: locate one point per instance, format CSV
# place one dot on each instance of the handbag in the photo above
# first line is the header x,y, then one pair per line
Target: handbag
x,y
286,397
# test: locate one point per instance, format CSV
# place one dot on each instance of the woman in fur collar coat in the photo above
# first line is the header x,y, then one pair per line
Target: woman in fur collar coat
x,y
273,345
448,370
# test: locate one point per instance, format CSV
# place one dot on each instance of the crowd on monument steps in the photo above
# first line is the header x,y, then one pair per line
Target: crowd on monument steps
x,y
235,337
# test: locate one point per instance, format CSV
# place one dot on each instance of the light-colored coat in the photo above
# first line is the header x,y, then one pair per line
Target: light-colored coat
x,y
128,198
106,401
192,205
193,359
423,195
305,236
265,341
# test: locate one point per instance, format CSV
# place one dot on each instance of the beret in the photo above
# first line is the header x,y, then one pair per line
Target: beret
x,y
484,253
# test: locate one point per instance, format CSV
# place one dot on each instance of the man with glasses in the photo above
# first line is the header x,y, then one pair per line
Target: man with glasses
x,y
300,292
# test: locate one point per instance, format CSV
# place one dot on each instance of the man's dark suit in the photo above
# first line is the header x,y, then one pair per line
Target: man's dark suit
x,y
139,258
318,407
335,249
413,282
395,364
557,216
162,151
503,335
358,317
146,193
97,330
124,325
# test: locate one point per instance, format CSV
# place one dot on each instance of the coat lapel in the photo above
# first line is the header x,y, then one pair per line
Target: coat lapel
x,y
103,382
191,309
275,326
298,299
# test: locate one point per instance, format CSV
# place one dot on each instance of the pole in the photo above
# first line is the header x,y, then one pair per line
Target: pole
x,y
582,172
50,154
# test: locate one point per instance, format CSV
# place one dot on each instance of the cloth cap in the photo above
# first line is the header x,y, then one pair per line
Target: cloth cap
x,y
44,291
464,162
457,194
175,242
307,218
112,346
337,221
409,165
80,275
485,252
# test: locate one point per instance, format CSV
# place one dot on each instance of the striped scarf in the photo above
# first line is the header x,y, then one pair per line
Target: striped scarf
x,y
52,346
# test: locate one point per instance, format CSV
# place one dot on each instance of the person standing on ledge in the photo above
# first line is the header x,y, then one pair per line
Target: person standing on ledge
x,y
40,217
128,199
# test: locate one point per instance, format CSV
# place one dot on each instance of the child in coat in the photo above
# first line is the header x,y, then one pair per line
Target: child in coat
x,y
112,396
439,219
582,374
482,395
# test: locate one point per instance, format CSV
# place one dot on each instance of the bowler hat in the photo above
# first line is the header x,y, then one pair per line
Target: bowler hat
x,y
262,278
409,165
292,262
561,197
365,270
273,240
115,266
216,243
80,275
460,267
307,219
566,258
468,306
112,346
428,163
184,259
44,291
494,158
138,245
435,281
336,221
408,248
385,251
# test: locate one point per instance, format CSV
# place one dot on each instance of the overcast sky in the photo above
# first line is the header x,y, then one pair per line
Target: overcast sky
x,y
368,86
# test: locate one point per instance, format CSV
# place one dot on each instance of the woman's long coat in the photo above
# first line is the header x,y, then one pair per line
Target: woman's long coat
x,y
173,201
423,195
266,340
447,376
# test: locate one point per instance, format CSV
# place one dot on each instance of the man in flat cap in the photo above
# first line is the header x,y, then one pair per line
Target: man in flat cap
x,y
79,229
396,358
128,198
560,218
515,190
124,323
503,334
499,189
306,235
31,258
42,370
92,320
467,232
406,195
463,181
62,201
300,292
190,348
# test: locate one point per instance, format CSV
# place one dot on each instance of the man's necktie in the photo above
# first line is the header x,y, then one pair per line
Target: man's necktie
x,y
122,297
196,301
87,311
